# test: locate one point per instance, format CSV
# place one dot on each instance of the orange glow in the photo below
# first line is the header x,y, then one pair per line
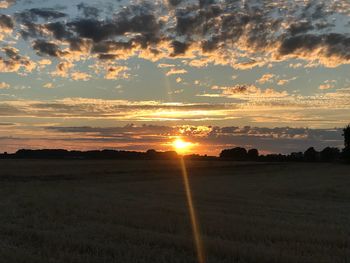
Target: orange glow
x,y
182,146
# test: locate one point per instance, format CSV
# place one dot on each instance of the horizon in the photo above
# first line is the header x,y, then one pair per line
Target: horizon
x,y
136,75
181,151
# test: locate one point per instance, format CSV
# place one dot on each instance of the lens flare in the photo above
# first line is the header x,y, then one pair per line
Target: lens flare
x,y
194,221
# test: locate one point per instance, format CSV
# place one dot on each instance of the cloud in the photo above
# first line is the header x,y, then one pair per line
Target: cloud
x,y
247,92
330,49
282,82
4,85
165,65
328,84
6,3
295,65
122,110
33,14
266,78
14,62
175,71
48,85
6,26
242,35
88,11
117,72
80,76
200,33
46,48
325,86
62,69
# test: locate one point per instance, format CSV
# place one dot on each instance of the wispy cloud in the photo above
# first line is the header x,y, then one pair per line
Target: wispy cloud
x,y
175,71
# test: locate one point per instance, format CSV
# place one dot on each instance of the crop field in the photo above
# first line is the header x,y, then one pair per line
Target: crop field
x,y
136,211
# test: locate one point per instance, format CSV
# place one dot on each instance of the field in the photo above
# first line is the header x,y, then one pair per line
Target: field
x,y
136,211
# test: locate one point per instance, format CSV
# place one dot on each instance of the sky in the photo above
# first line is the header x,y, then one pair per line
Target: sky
x,y
136,75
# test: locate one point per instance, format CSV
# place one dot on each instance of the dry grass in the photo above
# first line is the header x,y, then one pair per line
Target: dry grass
x,y
134,211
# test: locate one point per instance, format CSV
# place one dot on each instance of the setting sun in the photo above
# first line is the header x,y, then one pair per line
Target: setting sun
x,y
181,146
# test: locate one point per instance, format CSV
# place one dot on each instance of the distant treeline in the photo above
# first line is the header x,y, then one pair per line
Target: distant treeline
x,y
96,154
328,154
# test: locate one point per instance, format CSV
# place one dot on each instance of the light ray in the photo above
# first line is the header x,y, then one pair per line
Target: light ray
x,y
194,221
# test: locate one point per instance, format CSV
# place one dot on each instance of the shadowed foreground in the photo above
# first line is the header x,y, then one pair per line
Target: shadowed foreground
x,y
135,211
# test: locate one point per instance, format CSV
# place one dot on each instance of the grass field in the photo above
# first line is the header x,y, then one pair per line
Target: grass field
x,y
135,211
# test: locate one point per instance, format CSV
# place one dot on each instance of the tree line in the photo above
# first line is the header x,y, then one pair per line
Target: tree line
x,y
95,154
328,154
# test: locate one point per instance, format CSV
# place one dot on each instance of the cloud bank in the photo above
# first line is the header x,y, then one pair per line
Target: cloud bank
x,y
242,34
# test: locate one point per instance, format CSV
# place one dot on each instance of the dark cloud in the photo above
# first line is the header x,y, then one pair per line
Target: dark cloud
x,y
59,30
107,56
337,45
212,27
134,19
300,43
32,30
179,47
46,48
6,22
110,46
32,15
11,53
128,130
93,29
174,2
300,27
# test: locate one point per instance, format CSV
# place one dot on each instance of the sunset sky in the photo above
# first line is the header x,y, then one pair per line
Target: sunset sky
x,y
135,75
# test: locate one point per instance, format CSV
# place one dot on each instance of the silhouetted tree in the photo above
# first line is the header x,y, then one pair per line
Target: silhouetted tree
x,y
346,134
346,150
253,154
310,155
329,154
237,154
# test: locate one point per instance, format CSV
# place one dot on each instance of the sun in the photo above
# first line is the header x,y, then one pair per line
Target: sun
x,y
181,146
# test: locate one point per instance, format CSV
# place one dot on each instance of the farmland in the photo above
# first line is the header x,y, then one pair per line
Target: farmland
x,y
136,211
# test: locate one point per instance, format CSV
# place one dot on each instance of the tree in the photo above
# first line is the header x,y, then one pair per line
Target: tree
x,y
253,154
346,150
310,155
346,134
237,154
329,154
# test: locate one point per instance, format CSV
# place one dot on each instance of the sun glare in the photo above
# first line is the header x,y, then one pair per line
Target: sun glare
x,y
182,146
